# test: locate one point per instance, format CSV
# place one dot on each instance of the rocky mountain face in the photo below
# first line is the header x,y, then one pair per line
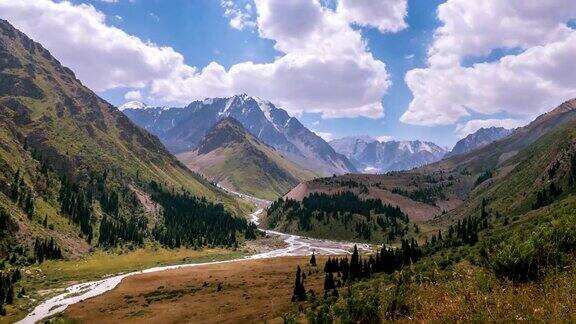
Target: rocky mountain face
x,y
481,137
64,150
181,129
228,154
371,156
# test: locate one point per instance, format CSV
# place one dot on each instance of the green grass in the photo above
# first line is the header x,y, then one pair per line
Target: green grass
x,y
459,284
45,280
102,263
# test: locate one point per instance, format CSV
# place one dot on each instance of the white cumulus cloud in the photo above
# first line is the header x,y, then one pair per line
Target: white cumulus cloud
x,y
324,66
240,17
386,15
103,56
525,84
477,27
133,95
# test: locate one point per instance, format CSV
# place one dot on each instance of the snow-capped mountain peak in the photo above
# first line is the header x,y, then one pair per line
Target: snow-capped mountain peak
x,y
374,156
133,105
181,129
266,107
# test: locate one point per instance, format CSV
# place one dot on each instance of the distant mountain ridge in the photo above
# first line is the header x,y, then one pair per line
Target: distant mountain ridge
x,y
230,155
372,156
181,129
481,137
513,174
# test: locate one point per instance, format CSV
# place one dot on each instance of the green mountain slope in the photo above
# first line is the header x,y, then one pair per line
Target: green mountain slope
x,y
528,169
69,160
496,257
230,155
535,176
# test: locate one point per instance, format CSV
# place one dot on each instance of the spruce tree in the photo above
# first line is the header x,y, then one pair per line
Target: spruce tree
x,y
297,282
329,281
355,266
10,295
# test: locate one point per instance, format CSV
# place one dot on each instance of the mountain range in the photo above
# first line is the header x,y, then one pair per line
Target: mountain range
x,y
371,156
182,129
229,155
538,158
481,137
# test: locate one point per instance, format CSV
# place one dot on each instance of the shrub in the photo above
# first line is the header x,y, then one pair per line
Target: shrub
x,y
527,254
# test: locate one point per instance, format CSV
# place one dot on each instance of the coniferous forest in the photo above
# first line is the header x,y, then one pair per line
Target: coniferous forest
x,y
362,217
195,222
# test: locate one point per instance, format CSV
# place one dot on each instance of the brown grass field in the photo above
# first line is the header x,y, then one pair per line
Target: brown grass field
x,y
251,291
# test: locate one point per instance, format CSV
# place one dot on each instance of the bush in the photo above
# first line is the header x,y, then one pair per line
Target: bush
x,y
528,254
363,307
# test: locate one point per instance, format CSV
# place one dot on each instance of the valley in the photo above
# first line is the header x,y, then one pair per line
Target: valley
x,y
272,161
294,246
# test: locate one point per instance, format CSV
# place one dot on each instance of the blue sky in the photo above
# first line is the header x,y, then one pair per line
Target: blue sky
x,y
434,70
199,31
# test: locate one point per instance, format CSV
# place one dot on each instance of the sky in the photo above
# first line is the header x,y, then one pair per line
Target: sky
x,y
433,70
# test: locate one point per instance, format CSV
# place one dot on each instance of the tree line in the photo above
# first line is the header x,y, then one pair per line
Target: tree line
x,y
341,271
195,222
22,195
46,249
7,280
341,206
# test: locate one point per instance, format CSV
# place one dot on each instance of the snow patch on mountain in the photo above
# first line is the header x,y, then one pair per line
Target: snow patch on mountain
x,y
133,105
181,129
373,156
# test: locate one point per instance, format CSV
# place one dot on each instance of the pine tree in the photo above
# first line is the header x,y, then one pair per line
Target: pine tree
x,y
297,282
313,260
355,266
329,281
10,295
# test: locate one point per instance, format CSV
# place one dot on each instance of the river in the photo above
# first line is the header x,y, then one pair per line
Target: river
x,y
295,246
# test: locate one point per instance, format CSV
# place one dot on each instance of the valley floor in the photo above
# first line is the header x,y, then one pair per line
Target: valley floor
x,y
250,291
260,291
49,278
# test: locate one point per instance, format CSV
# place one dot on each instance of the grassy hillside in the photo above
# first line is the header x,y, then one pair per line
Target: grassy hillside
x,y
548,163
230,155
58,138
76,176
530,168
502,181
507,248
522,271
